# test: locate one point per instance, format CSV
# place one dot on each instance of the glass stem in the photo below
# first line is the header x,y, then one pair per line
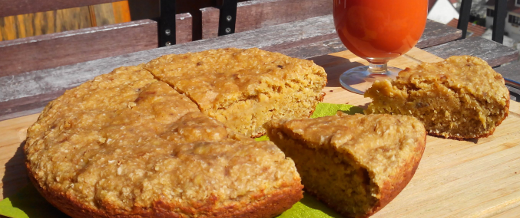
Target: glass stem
x,y
377,68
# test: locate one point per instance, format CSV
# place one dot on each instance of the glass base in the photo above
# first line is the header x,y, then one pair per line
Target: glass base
x,y
358,79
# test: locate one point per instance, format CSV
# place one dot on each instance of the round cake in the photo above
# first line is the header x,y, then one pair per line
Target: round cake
x,y
134,144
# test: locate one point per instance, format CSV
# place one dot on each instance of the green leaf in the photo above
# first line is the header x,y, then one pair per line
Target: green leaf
x,y
28,203
309,206
262,138
327,109
7,209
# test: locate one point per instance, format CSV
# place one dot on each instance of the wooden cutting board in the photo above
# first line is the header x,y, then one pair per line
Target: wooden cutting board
x,y
478,178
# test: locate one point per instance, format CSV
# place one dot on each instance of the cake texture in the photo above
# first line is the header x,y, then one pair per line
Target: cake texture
x,y
354,163
461,97
127,144
244,88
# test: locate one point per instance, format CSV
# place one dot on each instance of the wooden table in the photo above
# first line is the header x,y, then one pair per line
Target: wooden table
x,y
454,176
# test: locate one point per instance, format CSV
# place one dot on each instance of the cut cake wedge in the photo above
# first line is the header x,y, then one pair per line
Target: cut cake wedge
x,y
354,163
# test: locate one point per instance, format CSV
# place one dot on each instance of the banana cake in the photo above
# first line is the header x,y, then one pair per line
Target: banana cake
x,y
461,97
127,144
354,163
244,88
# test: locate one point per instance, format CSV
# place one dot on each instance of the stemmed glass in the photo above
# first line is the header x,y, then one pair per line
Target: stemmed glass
x,y
377,31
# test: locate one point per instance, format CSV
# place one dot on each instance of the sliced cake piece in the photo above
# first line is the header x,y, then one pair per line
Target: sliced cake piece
x,y
244,88
461,98
355,163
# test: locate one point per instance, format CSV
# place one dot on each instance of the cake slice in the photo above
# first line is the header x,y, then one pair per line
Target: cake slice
x,y
354,163
461,98
244,88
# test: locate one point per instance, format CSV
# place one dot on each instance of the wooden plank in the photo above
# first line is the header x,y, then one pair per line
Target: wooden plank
x,y
476,178
58,49
10,8
510,71
183,23
261,13
492,52
509,213
436,33
11,154
29,105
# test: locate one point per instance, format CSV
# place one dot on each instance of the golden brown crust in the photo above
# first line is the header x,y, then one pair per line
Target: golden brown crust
x,y
396,184
271,205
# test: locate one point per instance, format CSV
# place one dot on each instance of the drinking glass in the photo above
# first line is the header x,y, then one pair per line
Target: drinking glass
x,y
377,31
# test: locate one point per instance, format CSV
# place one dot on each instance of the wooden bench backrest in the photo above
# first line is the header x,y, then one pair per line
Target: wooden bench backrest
x,y
74,46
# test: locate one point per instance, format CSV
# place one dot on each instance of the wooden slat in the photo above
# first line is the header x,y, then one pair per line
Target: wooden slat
x,y
492,52
436,33
53,50
510,71
183,25
58,49
10,7
11,157
261,13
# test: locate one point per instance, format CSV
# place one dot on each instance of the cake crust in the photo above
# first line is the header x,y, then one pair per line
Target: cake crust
x,y
270,206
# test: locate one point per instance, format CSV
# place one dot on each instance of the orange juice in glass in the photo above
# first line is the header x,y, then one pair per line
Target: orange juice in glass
x,y
378,31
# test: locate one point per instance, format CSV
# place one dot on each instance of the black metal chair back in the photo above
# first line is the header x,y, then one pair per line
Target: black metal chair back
x,y
499,19
227,20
